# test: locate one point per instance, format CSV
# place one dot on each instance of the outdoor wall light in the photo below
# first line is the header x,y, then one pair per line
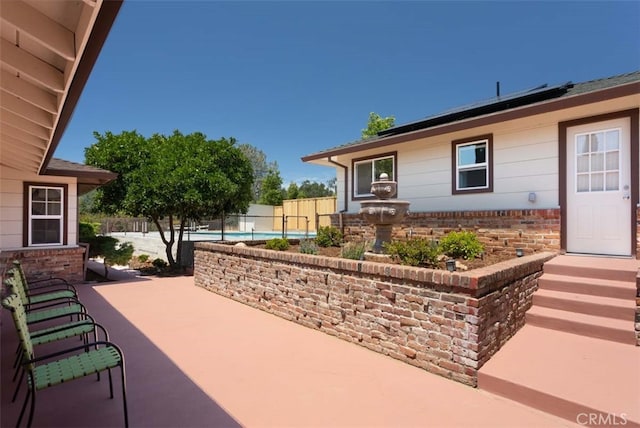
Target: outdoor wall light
x,y
519,252
532,196
451,265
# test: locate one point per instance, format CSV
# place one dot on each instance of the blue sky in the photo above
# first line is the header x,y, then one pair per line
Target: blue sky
x,y
292,78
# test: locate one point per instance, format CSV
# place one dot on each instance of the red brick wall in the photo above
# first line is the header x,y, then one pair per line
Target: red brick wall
x,y
500,230
43,263
446,323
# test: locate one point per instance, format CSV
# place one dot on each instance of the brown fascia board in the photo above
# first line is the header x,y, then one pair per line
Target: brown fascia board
x,y
531,110
96,177
104,21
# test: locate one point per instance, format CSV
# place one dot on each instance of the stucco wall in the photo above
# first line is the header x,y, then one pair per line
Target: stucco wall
x,y
446,323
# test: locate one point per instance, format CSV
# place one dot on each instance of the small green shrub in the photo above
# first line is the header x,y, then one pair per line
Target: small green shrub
x,y
88,231
461,244
280,244
159,263
329,236
414,252
142,258
353,250
308,246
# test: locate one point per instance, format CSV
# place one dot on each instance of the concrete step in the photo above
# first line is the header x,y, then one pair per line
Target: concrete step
x,y
617,269
610,329
590,286
569,376
622,309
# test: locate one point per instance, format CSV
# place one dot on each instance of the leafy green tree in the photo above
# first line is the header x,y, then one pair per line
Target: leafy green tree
x,y
272,192
377,124
293,191
260,167
177,177
313,189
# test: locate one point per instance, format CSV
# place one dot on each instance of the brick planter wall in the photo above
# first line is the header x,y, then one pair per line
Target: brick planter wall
x,y
66,263
446,323
500,230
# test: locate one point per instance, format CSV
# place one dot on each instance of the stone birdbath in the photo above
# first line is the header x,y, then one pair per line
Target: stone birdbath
x,y
383,212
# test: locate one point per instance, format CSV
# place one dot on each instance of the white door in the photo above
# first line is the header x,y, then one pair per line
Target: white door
x,y
598,188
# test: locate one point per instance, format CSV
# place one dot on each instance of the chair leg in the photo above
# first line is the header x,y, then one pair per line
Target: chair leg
x,y
24,407
110,384
17,360
33,407
124,396
15,394
17,368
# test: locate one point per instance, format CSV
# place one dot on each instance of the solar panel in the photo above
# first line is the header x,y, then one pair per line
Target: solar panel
x,y
515,99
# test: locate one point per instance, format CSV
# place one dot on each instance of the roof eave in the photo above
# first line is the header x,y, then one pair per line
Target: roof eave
x,y
106,17
517,113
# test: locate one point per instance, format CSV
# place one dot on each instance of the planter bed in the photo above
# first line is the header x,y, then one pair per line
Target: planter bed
x,y
448,323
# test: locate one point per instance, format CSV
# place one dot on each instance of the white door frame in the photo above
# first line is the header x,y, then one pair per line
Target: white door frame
x,y
633,116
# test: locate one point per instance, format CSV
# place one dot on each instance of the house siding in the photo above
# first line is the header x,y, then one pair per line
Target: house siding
x,y
12,209
525,160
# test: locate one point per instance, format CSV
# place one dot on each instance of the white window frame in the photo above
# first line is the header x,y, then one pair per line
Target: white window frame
x,y
371,160
60,217
486,165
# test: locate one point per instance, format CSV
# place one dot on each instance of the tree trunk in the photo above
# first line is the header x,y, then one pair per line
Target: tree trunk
x,y
167,242
183,222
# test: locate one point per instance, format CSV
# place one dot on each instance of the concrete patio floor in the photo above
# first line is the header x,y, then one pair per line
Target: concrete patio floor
x,y
195,359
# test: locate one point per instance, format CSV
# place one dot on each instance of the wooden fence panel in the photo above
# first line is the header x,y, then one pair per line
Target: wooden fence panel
x,y
301,213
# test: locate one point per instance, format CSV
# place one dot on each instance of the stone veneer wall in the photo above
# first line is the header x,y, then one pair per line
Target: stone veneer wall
x,y
446,323
501,231
66,263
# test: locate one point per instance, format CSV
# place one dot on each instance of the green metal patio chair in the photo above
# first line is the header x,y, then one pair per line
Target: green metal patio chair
x,y
50,370
43,295
47,306
39,285
82,328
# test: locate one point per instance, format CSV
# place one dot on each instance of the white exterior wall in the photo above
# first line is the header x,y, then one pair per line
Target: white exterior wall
x,y
11,206
525,160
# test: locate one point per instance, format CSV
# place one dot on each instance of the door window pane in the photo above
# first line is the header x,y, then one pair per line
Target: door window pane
x,y
612,139
597,142
597,182
582,144
582,183
583,163
613,181
597,162
613,161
